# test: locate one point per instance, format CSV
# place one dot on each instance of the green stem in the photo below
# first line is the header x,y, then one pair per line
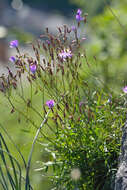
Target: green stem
x,y
30,155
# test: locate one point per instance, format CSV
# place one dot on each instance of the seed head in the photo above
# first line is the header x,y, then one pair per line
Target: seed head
x,y
75,174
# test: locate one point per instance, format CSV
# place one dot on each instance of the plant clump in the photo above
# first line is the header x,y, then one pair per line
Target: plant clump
x,y
82,119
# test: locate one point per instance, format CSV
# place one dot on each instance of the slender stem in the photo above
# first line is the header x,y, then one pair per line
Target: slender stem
x,y
30,106
25,116
21,86
63,83
31,92
32,148
110,9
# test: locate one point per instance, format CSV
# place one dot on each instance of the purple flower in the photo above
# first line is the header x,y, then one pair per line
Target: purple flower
x,y
50,103
79,12
73,28
64,54
125,89
48,42
78,15
12,59
33,68
14,44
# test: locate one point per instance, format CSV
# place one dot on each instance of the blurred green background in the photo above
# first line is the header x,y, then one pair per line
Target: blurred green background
x,y
106,50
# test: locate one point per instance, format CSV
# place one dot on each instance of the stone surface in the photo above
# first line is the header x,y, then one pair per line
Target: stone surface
x,y
121,176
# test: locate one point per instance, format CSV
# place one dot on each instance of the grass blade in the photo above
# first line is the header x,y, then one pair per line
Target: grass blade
x,y
11,160
6,167
3,178
9,137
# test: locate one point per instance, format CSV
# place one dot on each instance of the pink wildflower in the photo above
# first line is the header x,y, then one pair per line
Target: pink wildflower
x,y
66,53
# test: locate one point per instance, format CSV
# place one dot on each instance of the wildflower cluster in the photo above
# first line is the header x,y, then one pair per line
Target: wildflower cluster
x,y
51,51
69,108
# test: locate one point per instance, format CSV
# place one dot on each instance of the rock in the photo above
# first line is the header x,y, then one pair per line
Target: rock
x,y
121,175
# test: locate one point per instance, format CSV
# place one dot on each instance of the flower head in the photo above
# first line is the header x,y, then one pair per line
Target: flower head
x,y
125,89
64,54
14,44
50,103
33,68
12,59
78,15
75,174
79,12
